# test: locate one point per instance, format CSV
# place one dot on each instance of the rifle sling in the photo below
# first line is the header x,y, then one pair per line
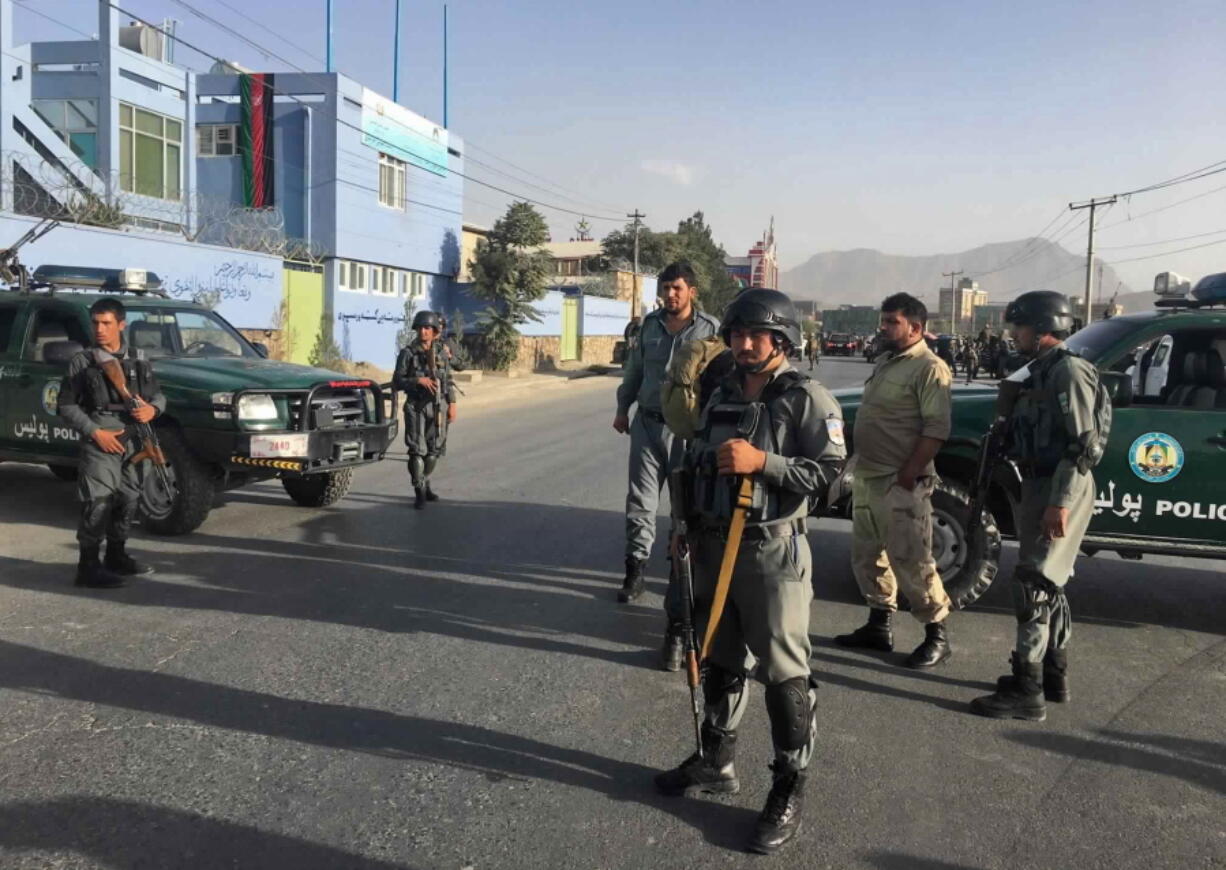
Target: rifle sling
x,y
744,500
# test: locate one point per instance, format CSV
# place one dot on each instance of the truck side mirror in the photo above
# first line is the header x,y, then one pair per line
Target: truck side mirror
x,y
59,352
1119,388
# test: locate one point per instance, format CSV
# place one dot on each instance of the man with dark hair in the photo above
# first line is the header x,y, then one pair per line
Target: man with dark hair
x,y
109,485
652,447
903,419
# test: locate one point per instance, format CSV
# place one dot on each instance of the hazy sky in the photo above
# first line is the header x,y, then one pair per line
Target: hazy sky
x,y
908,126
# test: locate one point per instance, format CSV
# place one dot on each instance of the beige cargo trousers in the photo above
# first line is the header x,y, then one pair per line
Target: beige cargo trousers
x,y
891,547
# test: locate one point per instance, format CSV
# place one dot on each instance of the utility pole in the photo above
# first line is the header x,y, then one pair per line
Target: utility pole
x,y
955,313
1091,205
638,292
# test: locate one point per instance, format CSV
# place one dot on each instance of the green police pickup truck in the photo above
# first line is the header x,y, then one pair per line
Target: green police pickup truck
x,y
1161,484
232,416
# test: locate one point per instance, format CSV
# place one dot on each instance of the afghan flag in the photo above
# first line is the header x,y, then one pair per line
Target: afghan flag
x,y
255,139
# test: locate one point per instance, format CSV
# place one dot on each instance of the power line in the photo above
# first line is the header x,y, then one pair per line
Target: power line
x,y
63,24
1160,242
269,53
1169,253
1165,207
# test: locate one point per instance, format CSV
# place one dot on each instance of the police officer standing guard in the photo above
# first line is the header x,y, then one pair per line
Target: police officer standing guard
x,y
903,420
652,447
784,431
109,485
423,374
1057,431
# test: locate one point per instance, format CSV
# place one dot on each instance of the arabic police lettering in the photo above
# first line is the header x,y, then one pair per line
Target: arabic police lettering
x,y
1130,505
1191,510
43,431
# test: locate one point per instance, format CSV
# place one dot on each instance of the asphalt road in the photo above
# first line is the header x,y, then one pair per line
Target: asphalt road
x,y
368,686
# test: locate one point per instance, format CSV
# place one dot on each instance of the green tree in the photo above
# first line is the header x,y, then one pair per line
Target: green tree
x,y
693,243
509,272
326,354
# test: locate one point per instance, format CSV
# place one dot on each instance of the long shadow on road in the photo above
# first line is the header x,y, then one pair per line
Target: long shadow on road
x,y
119,833
411,738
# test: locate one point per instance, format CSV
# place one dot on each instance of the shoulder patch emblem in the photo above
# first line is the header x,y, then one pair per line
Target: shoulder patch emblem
x,y
834,429
1063,397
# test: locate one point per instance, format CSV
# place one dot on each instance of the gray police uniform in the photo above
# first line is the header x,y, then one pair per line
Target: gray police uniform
x,y
108,485
653,449
425,413
1051,428
766,618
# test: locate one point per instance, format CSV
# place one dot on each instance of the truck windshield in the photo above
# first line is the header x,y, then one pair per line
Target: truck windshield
x,y
184,332
1096,338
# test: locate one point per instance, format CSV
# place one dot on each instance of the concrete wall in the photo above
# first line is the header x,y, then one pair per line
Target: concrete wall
x,y
247,286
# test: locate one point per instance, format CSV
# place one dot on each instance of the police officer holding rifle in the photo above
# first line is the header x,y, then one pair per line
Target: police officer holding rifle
x,y
109,411
1055,432
770,440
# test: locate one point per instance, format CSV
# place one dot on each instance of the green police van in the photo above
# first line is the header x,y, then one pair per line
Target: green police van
x,y
1161,485
232,416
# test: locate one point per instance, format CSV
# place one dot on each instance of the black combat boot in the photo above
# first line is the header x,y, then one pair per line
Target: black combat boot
x,y
1019,696
119,562
419,498
712,772
91,573
934,650
634,585
673,652
780,818
1055,676
431,495
877,633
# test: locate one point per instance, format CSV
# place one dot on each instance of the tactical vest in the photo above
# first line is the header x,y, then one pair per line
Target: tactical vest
x,y
103,397
1040,438
714,495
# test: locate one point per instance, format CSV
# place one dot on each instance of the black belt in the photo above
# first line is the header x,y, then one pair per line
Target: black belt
x,y
1030,471
758,533
655,416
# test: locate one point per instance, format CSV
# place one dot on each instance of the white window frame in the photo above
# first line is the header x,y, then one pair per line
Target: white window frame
x,y
393,181
207,144
128,153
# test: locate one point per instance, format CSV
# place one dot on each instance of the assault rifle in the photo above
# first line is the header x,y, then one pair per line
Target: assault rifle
x,y
12,270
992,451
678,496
150,450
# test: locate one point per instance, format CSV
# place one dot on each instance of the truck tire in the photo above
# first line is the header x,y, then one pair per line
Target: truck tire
x,y
966,570
319,490
192,485
64,472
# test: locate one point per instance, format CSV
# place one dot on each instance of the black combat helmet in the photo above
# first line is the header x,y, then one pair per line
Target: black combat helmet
x,y
427,318
1045,310
762,309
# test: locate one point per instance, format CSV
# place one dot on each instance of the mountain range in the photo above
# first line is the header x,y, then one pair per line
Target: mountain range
x,y
1004,269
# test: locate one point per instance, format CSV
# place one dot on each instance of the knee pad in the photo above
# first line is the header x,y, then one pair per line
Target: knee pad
x,y
718,684
790,712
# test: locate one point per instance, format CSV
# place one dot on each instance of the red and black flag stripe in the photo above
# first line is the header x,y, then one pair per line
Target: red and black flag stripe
x,y
255,139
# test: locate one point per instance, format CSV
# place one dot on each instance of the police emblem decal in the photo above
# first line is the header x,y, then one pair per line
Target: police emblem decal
x,y
1155,457
51,398
834,429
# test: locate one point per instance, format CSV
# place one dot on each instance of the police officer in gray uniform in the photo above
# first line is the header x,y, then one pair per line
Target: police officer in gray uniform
x,y
785,430
653,450
423,374
1057,432
108,484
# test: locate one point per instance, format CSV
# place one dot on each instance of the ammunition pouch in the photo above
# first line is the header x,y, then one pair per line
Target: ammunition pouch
x,y
715,495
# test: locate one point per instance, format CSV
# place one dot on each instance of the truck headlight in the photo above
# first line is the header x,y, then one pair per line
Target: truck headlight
x,y
256,407
226,399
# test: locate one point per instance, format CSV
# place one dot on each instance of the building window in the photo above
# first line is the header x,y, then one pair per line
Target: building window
x,y
74,121
150,150
391,182
357,276
342,274
216,140
403,289
418,285
389,281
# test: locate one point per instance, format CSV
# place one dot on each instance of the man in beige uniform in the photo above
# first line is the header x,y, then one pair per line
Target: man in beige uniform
x,y
902,421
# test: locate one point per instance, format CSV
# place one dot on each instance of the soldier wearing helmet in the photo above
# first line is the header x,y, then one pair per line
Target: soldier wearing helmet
x,y
903,420
423,374
1057,430
785,431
